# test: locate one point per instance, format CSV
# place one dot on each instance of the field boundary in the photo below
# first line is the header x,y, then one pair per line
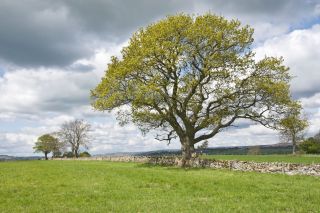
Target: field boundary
x,y
263,167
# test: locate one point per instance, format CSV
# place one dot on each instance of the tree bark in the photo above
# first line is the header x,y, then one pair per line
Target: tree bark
x,y
293,146
187,148
72,150
46,155
76,154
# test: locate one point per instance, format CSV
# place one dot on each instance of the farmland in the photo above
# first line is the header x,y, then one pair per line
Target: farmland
x,y
101,186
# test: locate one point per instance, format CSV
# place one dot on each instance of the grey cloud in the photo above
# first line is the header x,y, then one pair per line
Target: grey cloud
x,y
81,67
39,34
274,10
116,19
57,33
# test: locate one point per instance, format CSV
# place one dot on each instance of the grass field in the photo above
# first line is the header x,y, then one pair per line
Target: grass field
x,y
100,186
304,159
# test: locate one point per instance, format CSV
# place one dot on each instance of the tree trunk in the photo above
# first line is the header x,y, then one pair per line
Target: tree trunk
x,y
73,151
187,148
293,146
76,152
46,155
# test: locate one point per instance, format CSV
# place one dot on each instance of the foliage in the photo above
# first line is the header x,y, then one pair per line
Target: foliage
x,y
84,154
202,147
83,186
46,144
311,145
190,77
68,155
254,150
76,134
293,125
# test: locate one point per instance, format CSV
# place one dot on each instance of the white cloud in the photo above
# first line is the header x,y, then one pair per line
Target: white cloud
x,y
311,102
301,53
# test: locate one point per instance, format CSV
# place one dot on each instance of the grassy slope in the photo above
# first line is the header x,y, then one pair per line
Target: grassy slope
x,y
99,186
305,159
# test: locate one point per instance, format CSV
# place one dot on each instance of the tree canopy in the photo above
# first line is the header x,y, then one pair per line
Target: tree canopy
x,y
192,76
292,126
46,144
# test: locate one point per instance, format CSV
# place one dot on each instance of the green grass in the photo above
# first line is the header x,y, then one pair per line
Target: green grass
x,y
304,159
100,186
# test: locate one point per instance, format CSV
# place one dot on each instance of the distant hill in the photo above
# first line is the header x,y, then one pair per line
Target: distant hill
x,y
237,150
12,158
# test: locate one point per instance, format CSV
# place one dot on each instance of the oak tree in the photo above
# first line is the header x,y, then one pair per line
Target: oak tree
x,y
191,77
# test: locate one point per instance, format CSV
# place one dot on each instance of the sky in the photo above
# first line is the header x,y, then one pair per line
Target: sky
x,y
52,52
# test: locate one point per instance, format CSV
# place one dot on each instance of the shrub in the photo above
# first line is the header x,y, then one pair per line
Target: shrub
x,y
68,155
254,150
310,146
85,154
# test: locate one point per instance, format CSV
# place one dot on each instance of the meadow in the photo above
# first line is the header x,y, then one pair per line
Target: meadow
x,y
303,159
101,186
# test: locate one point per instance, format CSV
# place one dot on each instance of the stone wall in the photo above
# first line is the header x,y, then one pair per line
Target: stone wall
x,y
284,168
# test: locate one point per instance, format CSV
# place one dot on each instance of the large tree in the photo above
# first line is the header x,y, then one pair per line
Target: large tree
x,y
46,144
191,77
76,134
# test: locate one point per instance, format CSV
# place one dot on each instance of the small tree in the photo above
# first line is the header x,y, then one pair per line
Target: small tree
x,y
46,144
76,134
254,150
203,146
292,126
84,154
191,77
68,155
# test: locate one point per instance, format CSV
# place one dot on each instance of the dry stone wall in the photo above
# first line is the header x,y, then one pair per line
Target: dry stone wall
x,y
284,168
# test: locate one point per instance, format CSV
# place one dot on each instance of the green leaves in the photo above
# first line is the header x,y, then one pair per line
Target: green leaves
x,y
193,74
46,143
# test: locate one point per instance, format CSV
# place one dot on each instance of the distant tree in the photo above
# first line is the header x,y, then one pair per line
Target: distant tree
x,y
46,144
292,127
58,148
191,77
254,150
84,154
67,155
76,134
203,146
310,146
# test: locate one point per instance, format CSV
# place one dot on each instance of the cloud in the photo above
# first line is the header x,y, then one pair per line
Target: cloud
x,y
268,18
301,53
33,92
57,33
38,33
40,92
